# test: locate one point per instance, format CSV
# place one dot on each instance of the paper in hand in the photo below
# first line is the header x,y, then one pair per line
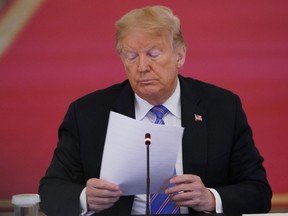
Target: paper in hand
x,y
124,157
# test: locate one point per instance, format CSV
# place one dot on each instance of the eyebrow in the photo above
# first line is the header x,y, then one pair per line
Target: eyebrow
x,y
133,51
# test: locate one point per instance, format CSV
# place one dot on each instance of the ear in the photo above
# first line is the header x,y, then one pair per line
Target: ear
x,y
181,56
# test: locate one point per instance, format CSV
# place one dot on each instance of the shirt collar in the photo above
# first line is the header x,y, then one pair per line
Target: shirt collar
x,y
173,104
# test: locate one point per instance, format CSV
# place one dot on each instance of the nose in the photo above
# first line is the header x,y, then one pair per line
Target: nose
x,y
143,63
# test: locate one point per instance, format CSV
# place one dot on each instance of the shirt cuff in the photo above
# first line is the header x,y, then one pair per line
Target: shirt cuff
x,y
83,204
218,201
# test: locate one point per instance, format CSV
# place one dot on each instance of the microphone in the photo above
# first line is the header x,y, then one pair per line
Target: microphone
x,y
147,143
147,139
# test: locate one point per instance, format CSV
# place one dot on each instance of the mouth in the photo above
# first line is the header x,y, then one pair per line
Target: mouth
x,y
146,81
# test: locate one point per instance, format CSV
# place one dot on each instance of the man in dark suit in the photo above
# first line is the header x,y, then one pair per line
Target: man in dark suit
x,y
219,169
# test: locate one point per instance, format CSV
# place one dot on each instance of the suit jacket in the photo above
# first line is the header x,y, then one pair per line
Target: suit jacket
x,y
220,149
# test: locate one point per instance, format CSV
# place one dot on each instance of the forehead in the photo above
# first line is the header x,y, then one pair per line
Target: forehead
x,y
139,41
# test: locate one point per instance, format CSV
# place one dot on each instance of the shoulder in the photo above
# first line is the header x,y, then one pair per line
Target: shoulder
x,y
205,90
209,96
202,86
104,96
102,100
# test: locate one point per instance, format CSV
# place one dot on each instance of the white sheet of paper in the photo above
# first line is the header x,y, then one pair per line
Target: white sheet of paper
x,y
124,159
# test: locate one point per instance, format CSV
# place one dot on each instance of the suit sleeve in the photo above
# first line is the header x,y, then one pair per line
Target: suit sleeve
x,y
248,189
63,182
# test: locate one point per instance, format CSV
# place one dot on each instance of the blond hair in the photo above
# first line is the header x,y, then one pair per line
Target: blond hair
x,y
152,20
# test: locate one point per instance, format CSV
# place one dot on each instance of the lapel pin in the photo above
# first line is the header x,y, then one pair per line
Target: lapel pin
x,y
198,117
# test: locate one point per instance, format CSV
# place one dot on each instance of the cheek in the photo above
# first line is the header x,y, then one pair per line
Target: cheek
x,y
168,71
128,69
131,73
127,66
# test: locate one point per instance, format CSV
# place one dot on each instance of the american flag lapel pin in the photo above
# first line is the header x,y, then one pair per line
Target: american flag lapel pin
x,y
198,117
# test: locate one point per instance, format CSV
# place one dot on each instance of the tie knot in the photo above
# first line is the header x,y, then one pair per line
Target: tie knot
x,y
159,111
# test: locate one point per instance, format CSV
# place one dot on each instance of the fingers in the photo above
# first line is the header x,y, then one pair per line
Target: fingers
x,y
184,183
102,184
101,194
190,191
186,178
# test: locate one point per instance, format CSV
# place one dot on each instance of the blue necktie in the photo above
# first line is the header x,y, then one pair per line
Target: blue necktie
x,y
160,202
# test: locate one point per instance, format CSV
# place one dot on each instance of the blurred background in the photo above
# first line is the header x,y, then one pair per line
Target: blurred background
x,y
52,52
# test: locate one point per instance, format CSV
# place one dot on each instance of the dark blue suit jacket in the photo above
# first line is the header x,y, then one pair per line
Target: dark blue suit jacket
x,y
220,149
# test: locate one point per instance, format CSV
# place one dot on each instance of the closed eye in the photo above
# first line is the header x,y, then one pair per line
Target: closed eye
x,y
130,56
154,53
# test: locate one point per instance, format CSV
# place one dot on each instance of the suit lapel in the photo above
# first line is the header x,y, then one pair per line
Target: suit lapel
x,y
125,102
195,134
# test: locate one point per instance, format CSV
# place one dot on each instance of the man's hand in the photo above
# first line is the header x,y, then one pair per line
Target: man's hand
x,y
191,192
101,194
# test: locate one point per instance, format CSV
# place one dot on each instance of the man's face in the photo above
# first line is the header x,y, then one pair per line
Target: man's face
x,y
151,65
